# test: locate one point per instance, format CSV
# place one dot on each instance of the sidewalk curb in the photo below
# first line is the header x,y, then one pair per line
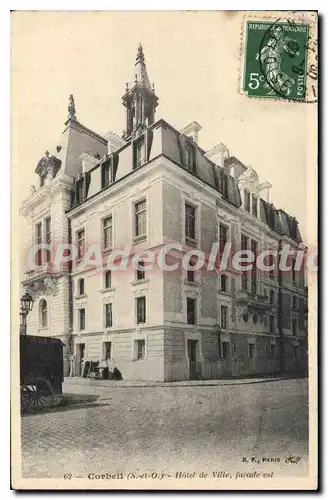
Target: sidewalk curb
x,y
108,384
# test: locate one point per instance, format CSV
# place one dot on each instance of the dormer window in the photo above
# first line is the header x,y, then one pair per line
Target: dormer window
x,y
79,190
254,205
191,158
139,156
224,185
106,175
247,200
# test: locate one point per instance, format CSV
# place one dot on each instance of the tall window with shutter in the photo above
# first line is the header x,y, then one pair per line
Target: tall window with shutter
x,y
140,230
190,224
108,232
80,236
38,241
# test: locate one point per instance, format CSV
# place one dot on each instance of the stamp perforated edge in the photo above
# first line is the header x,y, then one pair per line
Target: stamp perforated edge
x,y
308,17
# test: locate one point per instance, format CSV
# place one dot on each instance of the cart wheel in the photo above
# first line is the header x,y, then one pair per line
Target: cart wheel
x,y
37,394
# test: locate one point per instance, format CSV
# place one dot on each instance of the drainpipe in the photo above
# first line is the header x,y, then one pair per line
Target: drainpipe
x,y
280,316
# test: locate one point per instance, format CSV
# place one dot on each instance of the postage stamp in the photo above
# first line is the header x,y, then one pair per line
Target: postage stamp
x,y
164,268
280,59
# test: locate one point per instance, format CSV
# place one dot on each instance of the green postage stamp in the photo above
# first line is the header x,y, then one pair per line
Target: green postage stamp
x,y
276,60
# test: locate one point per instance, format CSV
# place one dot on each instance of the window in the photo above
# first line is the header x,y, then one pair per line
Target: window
x,y
80,243
247,200
244,276
254,205
108,315
81,286
190,223
81,319
140,220
254,270
225,350
38,238
141,274
294,326
47,237
293,272
191,275
224,283
223,237
272,297
107,350
224,185
106,175
295,302
295,352
138,152
141,309
43,235
224,317
79,189
191,311
43,314
108,232
273,350
140,348
251,351
272,324
271,264
191,158
108,279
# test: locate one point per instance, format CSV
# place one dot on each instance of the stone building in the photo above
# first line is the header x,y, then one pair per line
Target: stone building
x,y
155,188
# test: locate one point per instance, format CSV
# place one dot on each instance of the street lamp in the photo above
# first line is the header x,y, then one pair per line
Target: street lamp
x,y
26,306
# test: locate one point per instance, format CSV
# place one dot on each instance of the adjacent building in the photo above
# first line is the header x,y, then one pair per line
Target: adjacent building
x,y
155,188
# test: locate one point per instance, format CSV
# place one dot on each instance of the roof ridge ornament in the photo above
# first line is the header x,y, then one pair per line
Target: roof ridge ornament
x,y
71,108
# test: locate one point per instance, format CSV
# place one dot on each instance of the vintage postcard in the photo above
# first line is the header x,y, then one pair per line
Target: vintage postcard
x,y
164,250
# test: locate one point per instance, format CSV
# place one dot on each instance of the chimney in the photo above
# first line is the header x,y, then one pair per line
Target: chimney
x,y
218,154
88,161
114,142
191,130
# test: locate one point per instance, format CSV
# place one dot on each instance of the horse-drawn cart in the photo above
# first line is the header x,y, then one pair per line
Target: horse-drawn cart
x,y
41,371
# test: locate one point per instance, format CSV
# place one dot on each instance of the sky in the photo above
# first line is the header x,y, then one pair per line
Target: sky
x,y
195,60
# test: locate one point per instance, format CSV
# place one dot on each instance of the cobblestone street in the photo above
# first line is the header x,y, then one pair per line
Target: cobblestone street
x,y
173,428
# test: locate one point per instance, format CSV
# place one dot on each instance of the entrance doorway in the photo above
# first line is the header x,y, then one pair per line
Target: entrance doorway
x,y
192,357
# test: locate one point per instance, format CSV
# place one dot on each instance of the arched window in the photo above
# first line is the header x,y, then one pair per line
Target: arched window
x,y
224,283
43,318
81,286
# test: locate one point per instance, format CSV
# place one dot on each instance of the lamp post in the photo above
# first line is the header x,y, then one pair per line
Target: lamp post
x,y
26,306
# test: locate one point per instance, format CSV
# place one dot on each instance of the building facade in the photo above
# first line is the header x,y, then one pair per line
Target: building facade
x,y
155,190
